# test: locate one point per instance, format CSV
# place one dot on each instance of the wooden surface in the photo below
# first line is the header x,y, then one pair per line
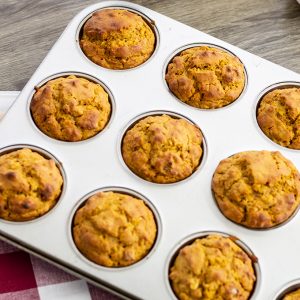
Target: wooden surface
x,y
269,28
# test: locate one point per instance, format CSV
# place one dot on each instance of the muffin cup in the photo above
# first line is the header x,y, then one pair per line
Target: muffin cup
x,y
249,228
138,118
287,288
44,153
149,22
275,86
91,78
121,190
191,238
178,51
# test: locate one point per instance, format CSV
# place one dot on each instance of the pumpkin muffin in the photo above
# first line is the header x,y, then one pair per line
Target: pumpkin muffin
x,y
212,268
278,116
117,39
257,189
206,77
70,108
295,295
114,229
162,149
30,185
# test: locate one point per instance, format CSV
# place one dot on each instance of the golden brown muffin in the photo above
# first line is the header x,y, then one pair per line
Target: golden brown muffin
x,y
212,268
114,229
278,116
295,295
162,149
206,77
257,189
70,108
117,39
30,185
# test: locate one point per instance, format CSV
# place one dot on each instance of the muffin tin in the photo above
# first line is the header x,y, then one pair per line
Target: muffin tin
x,y
185,208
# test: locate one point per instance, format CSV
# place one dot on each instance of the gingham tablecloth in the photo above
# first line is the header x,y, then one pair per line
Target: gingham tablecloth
x,y
25,277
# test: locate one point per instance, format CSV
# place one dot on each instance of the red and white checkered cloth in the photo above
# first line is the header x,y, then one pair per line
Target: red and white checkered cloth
x,y
25,277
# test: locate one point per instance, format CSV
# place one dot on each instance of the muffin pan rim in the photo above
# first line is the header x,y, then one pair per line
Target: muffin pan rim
x,y
78,74
277,85
130,124
189,239
47,155
122,190
177,51
151,23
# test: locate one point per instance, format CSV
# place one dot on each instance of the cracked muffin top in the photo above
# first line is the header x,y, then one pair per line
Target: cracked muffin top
x,y
212,268
30,185
162,149
295,295
114,229
278,116
117,39
206,77
257,189
70,108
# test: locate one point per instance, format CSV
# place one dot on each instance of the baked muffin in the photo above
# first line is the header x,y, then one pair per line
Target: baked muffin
x,y
295,295
257,189
70,108
114,229
278,116
117,39
162,149
212,268
30,185
206,77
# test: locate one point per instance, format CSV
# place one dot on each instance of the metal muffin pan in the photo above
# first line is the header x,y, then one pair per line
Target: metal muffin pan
x,y
184,208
